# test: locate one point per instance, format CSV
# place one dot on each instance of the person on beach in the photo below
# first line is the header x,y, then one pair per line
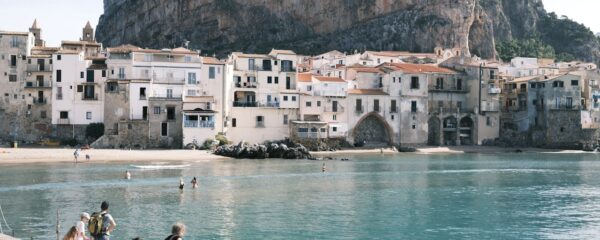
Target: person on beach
x,y
71,234
76,154
127,175
177,232
323,168
194,183
87,157
181,184
80,226
102,224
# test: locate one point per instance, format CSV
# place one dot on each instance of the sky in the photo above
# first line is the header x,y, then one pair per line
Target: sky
x,y
64,19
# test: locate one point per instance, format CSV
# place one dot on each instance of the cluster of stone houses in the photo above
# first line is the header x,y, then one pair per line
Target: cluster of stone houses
x,y
170,98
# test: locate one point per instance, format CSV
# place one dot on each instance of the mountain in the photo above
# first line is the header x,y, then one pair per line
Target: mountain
x,y
315,26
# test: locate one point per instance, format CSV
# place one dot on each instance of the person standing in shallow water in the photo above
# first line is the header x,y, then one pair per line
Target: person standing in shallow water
x,y
323,168
177,232
76,154
194,183
181,184
127,175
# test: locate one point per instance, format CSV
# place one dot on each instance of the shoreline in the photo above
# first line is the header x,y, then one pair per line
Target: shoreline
x,y
65,155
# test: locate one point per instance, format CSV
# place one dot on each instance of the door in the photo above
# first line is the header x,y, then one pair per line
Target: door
x,y
288,83
41,65
164,129
334,106
40,81
145,112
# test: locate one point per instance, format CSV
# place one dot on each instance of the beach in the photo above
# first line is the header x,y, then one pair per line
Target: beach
x,y
54,155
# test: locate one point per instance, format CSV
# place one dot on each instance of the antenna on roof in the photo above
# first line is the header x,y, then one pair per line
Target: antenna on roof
x,y
186,43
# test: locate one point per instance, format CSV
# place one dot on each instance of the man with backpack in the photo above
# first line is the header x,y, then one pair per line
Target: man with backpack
x,y
101,224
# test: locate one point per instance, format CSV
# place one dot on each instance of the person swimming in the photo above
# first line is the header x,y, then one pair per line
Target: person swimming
x,y
127,175
181,184
194,183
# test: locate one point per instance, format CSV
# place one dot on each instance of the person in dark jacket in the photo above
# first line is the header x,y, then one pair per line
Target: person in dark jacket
x,y
177,232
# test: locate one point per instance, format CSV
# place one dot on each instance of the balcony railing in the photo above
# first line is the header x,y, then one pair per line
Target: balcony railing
x,y
39,68
269,104
40,101
63,121
394,110
165,96
38,84
260,124
490,107
199,124
339,109
245,104
246,85
59,96
85,97
565,107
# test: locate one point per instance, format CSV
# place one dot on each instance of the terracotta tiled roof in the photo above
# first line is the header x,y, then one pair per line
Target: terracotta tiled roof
x,y
367,69
80,43
14,33
419,68
329,79
65,51
367,92
279,51
251,55
127,48
304,77
389,53
211,60
525,79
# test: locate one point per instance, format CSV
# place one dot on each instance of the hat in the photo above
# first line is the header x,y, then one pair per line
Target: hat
x,y
85,215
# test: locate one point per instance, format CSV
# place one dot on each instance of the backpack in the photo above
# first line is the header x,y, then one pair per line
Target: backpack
x,y
95,224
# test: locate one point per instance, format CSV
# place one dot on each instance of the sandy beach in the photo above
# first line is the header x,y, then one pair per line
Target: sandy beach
x,y
53,155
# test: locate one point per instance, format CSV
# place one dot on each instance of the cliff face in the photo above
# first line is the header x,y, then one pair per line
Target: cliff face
x,y
314,26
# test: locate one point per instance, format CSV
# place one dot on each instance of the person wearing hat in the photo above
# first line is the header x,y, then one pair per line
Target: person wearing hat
x,y
80,226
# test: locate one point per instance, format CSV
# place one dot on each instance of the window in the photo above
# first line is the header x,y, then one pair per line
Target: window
x,y
211,72
393,107
58,57
376,105
170,113
488,121
191,92
569,102
359,105
121,73
334,117
157,110
142,93
269,80
318,103
233,122
88,115
285,119
459,84
414,83
192,78
164,129
103,73
13,60
309,88
79,88
276,80
293,98
260,121
334,129
251,65
414,126
285,98
459,105
308,104
64,114
413,106
188,59
58,75
266,64
43,114
12,78
574,82
169,93
81,75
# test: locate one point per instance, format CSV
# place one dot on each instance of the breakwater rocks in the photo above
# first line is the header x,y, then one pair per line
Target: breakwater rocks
x,y
261,151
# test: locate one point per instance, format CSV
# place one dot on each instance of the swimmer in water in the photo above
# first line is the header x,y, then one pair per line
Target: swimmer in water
x,y
127,175
194,183
323,168
181,184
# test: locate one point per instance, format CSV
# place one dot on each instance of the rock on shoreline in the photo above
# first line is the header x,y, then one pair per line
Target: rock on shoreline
x,y
262,151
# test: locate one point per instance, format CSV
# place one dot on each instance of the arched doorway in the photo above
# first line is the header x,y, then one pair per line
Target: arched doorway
x,y
450,130
372,131
466,131
433,135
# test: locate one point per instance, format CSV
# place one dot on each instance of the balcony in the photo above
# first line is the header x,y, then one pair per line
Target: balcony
x,y
566,107
39,68
245,104
59,96
331,109
38,84
165,96
246,84
199,124
394,110
490,107
85,97
40,101
63,121
269,104
494,90
312,135
462,89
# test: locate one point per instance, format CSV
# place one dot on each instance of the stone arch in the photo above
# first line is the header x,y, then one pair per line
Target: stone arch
x,y
466,131
434,133
372,130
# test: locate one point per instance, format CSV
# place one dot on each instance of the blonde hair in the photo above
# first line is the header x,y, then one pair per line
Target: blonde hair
x,y
178,229
71,234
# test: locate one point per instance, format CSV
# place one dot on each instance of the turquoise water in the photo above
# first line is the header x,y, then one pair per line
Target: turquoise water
x,y
404,196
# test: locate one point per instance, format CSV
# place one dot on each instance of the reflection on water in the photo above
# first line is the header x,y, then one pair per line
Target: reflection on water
x,y
405,196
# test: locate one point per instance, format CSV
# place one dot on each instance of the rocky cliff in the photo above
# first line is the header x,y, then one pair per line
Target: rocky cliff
x,y
314,26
